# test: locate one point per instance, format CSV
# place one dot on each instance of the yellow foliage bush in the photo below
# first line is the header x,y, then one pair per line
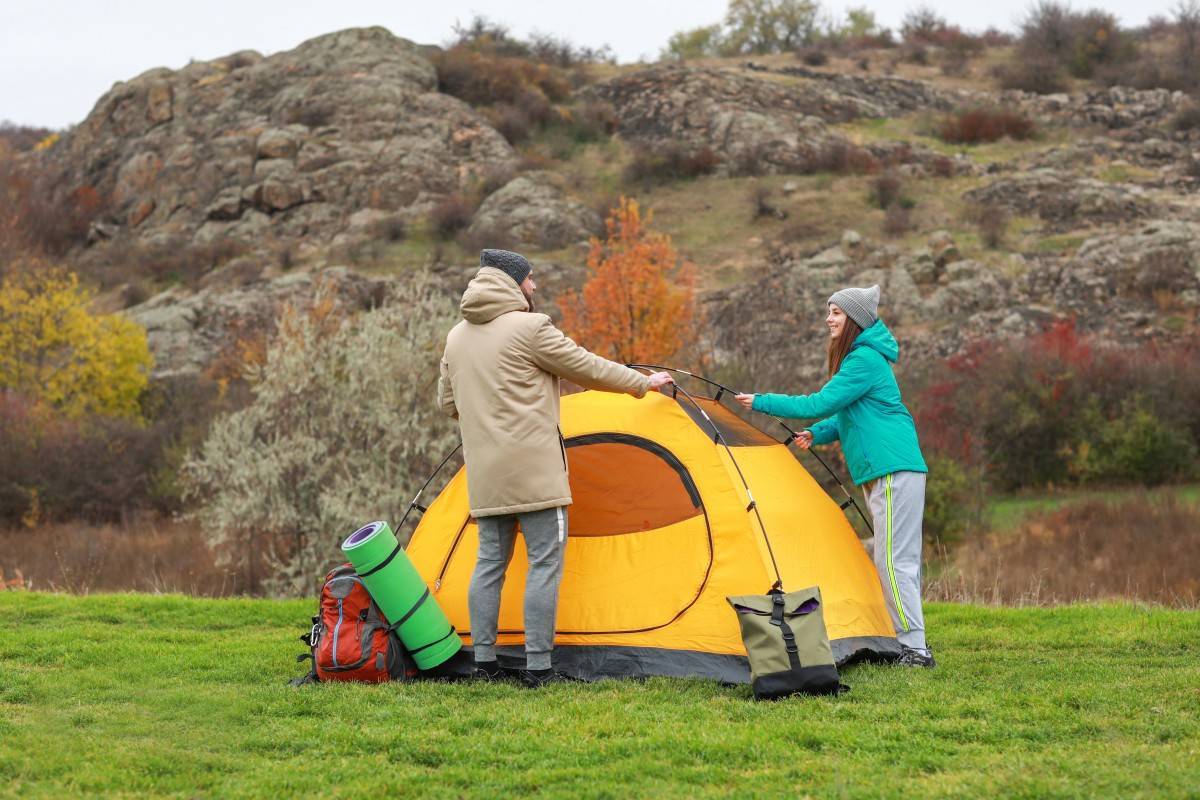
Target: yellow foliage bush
x,y
54,349
47,143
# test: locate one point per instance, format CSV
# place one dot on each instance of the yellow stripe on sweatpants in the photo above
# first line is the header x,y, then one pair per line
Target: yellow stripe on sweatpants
x,y
887,490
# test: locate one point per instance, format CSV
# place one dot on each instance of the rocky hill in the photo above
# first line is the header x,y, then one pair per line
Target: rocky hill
x,y
312,150
308,145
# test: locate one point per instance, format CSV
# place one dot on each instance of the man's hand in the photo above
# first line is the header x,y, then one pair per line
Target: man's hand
x,y
804,439
747,400
660,379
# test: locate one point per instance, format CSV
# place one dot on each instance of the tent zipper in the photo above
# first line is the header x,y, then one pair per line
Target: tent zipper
x,y
437,584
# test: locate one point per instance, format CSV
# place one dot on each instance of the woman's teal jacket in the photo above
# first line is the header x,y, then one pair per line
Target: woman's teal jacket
x,y
861,406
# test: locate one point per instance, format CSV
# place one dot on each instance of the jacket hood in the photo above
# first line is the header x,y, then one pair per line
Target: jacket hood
x,y
490,294
880,339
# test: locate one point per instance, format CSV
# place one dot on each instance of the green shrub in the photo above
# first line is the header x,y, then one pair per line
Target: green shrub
x,y
1135,447
953,499
341,429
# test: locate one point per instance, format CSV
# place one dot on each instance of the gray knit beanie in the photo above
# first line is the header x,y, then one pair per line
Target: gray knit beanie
x,y
860,305
514,265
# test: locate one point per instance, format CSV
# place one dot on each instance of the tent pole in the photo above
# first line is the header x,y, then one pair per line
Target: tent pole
x,y
722,389
425,485
718,438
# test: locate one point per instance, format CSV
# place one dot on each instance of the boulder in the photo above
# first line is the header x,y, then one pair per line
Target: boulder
x,y
1157,266
532,211
277,143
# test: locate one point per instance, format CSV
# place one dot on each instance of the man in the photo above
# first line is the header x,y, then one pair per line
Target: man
x,y
500,379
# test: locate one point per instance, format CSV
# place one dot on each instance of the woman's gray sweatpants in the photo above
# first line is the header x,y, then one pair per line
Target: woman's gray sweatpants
x,y
897,503
545,535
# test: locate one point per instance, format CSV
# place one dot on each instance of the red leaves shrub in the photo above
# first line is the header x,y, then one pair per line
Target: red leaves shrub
x,y
44,212
843,158
451,215
1059,408
976,125
56,467
95,468
670,162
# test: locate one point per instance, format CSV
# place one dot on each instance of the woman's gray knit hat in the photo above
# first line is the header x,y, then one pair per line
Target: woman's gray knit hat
x,y
860,305
514,265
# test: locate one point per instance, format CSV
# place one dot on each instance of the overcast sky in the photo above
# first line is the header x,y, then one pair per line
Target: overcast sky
x,y
58,56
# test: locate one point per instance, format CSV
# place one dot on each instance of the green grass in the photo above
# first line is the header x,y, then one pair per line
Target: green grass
x,y
1065,243
136,695
1126,173
1006,513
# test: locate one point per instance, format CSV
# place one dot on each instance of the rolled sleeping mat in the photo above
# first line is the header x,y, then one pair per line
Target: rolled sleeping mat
x,y
401,594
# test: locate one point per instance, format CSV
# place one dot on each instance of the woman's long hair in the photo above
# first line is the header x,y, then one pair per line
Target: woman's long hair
x,y
839,348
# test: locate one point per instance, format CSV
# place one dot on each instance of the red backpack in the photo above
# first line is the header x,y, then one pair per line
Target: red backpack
x,y
350,640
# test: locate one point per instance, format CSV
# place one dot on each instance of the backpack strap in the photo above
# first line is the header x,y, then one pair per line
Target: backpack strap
x,y
311,675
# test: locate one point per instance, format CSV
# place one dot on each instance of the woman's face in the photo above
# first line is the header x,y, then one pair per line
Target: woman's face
x,y
836,320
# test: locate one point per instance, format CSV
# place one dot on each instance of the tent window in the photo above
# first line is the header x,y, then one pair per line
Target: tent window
x,y
736,431
626,484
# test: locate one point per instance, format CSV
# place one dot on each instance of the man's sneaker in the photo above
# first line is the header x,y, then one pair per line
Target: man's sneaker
x,y
915,658
537,678
490,671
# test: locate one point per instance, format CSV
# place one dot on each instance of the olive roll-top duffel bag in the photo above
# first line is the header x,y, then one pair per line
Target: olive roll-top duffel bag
x,y
787,643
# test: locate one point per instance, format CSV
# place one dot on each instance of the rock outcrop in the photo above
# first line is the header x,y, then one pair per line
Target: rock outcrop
x,y
754,124
1064,199
287,147
1148,275
1117,108
187,330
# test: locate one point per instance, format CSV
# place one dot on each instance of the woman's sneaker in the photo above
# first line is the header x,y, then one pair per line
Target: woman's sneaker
x,y
915,658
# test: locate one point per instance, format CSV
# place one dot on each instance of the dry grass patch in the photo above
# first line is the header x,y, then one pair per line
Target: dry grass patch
x,y
1140,548
147,555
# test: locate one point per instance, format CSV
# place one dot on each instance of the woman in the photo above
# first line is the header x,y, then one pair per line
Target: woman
x,y
861,406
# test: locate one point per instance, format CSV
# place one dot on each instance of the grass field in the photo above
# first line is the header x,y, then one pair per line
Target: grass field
x,y
140,695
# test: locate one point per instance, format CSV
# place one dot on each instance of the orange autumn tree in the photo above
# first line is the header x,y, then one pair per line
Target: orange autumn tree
x,y
638,304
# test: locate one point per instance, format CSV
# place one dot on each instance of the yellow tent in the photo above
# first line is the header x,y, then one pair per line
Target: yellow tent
x,y
671,499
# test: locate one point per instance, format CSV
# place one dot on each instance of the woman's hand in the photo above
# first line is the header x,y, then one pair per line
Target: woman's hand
x,y
747,400
803,439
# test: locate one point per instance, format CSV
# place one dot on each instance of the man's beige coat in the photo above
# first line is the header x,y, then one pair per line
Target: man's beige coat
x,y
500,377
